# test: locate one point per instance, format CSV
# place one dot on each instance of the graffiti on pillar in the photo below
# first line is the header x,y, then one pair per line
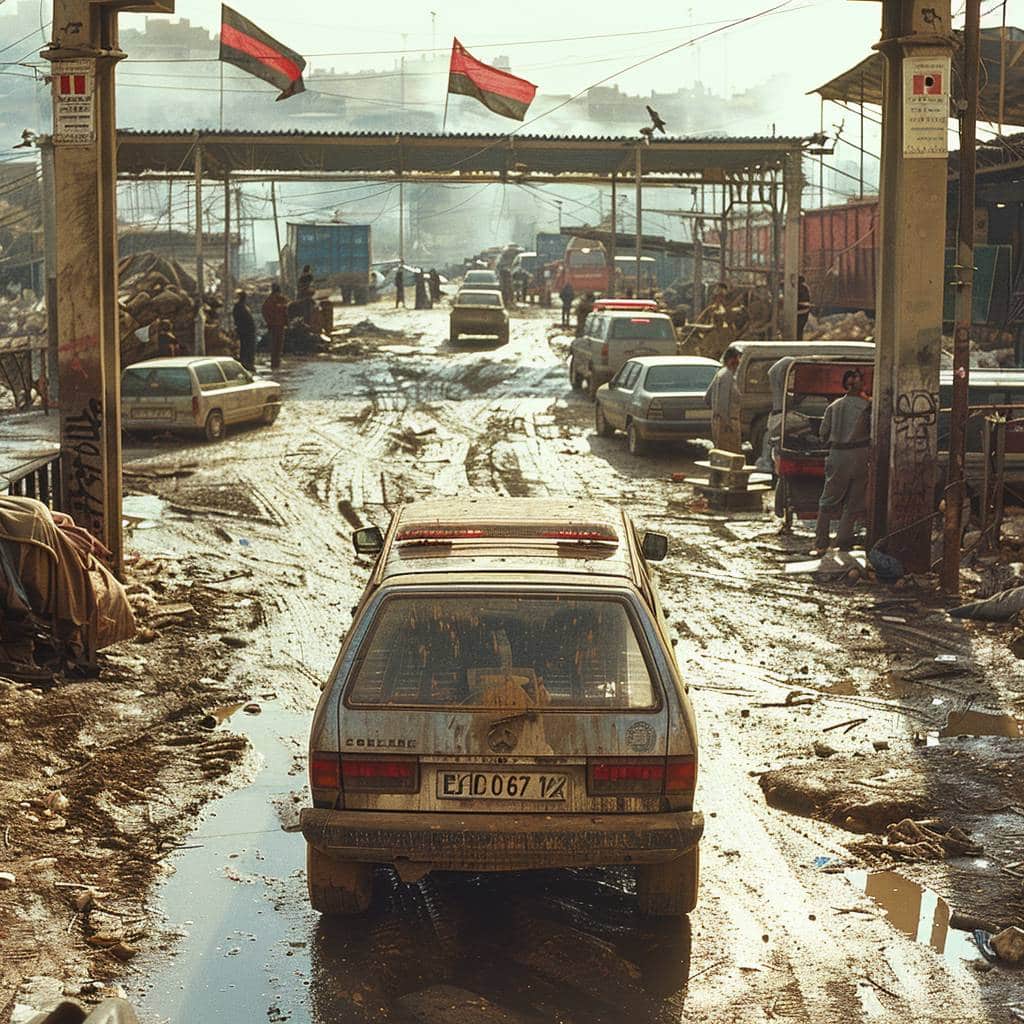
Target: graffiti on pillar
x,y
84,463
71,353
914,418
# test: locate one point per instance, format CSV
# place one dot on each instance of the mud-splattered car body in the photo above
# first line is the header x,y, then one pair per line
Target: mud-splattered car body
x,y
506,698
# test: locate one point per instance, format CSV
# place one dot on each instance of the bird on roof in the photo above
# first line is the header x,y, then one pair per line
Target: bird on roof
x,y
28,138
656,119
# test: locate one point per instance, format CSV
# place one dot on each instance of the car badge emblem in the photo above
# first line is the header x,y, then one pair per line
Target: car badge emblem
x,y
641,737
502,737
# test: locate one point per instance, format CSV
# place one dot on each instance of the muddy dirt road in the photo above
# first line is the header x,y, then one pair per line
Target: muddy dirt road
x,y
782,931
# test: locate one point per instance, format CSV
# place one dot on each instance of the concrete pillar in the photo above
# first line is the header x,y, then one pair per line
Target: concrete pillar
x,y
83,56
45,144
908,329
793,184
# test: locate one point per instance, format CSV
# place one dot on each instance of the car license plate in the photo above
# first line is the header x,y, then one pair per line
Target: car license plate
x,y
696,414
152,414
502,786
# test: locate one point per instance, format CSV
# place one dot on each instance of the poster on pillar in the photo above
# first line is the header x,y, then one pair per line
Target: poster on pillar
x,y
74,102
926,106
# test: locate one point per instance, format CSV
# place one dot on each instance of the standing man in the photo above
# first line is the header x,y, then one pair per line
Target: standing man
x,y
306,281
777,382
399,289
567,294
723,398
583,309
846,429
245,328
435,285
275,316
803,307
422,300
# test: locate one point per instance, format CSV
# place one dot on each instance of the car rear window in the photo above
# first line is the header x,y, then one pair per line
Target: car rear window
x,y
167,382
481,277
643,328
679,378
209,376
235,372
469,299
487,651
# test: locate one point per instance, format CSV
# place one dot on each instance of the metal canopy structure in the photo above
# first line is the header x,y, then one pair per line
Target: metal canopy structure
x,y
863,82
427,157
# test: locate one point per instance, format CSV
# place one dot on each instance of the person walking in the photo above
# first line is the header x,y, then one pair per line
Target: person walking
x,y
245,328
275,316
583,309
567,294
723,398
803,307
846,429
399,289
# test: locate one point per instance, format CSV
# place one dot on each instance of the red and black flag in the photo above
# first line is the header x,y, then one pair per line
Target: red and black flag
x,y
504,93
250,48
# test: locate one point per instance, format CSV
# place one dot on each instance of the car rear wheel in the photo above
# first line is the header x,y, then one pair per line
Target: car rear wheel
x,y
637,445
575,379
270,413
669,890
601,424
214,426
337,887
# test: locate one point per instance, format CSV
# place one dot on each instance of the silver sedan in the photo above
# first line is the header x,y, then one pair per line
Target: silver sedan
x,y
656,398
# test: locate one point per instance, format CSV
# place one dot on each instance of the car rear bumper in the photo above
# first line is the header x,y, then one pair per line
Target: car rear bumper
x,y
502,842
672,430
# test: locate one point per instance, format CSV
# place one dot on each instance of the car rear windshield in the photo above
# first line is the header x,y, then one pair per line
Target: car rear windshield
x,y
490,651
469,299
643,328
679,378
166,382
481,277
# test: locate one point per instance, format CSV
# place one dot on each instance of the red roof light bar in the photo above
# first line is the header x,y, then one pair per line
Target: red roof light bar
x,y
580,533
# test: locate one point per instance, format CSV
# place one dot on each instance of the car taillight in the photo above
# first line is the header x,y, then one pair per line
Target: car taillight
x,y
680,776
626,777
380,774
655,410
604,352
195,407
324,770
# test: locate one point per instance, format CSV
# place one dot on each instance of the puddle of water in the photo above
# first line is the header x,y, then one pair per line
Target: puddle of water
x,y
979,723
238,900
143,511
916,911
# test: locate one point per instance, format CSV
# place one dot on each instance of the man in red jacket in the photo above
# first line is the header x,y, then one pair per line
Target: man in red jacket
x,y
275,316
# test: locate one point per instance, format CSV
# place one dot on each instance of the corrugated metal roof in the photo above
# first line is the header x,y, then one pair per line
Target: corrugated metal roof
x,y
480,156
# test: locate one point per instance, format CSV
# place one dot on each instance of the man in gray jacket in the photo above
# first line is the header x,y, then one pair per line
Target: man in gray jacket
x,y
723,399
846,429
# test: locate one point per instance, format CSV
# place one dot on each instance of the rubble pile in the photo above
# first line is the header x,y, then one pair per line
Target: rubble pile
x,y
840,327
23,316
158,296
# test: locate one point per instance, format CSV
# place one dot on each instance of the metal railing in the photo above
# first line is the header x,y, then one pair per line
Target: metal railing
x,y
38,477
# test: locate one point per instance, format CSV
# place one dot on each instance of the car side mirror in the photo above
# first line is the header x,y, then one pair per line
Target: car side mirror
x,y
368,541
654,546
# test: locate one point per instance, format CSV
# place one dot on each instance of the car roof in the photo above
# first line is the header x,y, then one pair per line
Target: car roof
x,y
814,348
630,313
515,538
174,361
674,361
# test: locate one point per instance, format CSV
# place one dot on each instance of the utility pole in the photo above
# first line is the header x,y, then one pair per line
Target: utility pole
x,y
226,284
45,146
401,226
792,187
200,322
613,253
639,213
277,232
916,43
964,301
83,55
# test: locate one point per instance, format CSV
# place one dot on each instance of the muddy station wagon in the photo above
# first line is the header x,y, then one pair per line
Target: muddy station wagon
x,y
506,698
